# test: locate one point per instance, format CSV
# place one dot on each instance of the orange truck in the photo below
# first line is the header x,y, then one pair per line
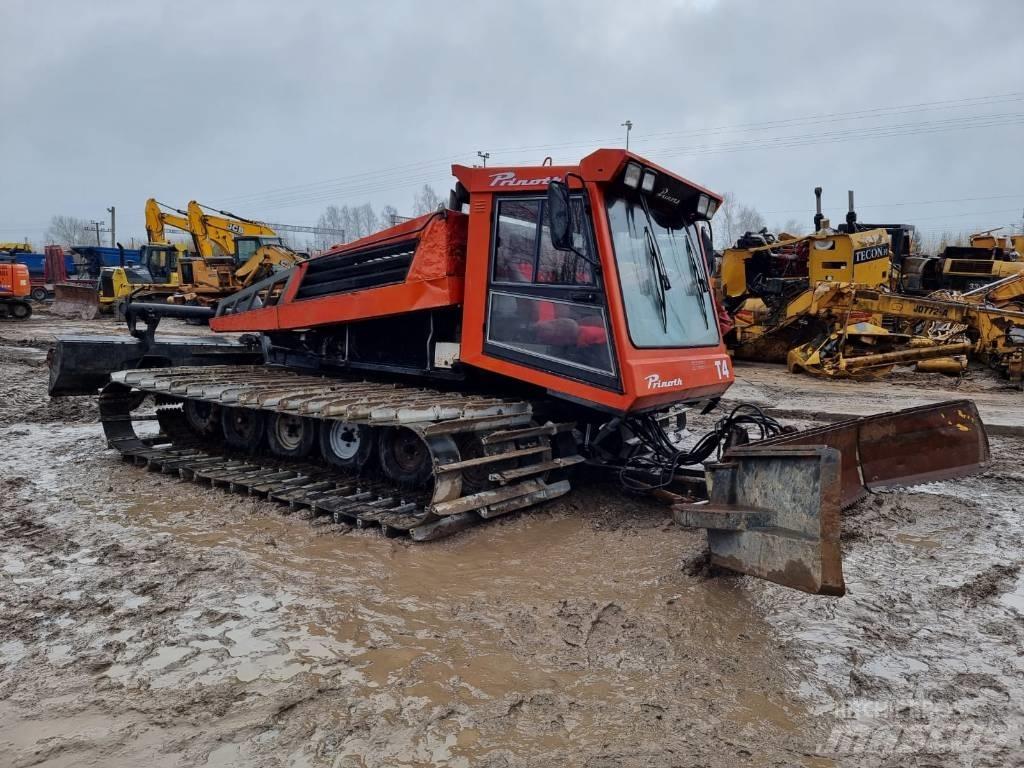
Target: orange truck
x,y
15,288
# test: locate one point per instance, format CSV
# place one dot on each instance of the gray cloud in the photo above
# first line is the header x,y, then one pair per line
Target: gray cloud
x,y
248,104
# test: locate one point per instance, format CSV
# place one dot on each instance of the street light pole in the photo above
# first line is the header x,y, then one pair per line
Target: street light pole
x,y
483,156
629,126
113,228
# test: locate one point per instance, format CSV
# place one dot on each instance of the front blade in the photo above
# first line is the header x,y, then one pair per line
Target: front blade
x,y
916,445
773,513
774,506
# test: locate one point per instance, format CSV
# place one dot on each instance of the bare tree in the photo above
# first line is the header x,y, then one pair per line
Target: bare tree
x,y
748,220
331,218
367,219
388,216
724,223
67,231
792,227
426,201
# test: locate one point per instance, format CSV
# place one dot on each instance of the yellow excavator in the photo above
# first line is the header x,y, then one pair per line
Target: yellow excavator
x,y
232,253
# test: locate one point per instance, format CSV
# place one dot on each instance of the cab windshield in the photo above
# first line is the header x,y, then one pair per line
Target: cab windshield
x,y
662,274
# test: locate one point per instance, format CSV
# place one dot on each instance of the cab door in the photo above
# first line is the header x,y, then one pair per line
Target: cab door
x,y
546,308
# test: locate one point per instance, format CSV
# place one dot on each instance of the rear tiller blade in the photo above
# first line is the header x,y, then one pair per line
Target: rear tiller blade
x,y
774,506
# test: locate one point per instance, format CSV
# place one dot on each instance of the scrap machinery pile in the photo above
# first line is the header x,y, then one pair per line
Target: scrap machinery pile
x,y
468,362
829,304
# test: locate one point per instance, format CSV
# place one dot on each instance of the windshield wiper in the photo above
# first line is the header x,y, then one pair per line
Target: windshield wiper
x,y
659,263
698,280
662,279
664,284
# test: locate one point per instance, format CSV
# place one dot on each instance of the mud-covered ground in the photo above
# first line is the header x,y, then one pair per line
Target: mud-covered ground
x,y
146,621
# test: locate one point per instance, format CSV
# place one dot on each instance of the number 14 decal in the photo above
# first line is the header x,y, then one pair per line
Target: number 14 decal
x,y
722,367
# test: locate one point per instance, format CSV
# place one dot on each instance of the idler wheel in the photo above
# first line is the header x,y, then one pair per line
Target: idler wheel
x,y
243,428
347,445
291,436
404,457
202,417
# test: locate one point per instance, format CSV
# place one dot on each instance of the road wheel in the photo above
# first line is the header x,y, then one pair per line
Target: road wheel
x,y
347,445
40,294
404,457
291,436
243,428
202,417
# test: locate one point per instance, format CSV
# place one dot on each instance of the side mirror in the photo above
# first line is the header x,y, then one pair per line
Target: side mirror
x,y
560,216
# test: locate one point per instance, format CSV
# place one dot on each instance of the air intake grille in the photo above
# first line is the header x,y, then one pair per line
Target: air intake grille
x,y
357,270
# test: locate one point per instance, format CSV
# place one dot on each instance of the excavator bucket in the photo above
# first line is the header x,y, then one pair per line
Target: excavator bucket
x,y
75,300
774,507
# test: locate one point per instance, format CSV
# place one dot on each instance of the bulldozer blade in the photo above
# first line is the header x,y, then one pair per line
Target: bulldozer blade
x,y
774,507
916,445
76,301
773,513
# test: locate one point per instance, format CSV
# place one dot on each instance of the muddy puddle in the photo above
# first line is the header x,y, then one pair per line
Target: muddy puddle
x,y
144,620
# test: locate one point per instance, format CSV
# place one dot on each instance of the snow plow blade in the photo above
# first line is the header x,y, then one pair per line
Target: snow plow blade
x,y
76,301
774,507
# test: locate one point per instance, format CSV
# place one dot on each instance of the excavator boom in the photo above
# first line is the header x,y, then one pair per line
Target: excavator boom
x,y
215,235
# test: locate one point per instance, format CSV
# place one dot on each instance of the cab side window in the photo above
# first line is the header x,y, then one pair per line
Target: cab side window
x,y
524,254
565,267
515,257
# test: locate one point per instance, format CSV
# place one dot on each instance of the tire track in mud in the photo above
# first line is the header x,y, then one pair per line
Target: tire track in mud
x,y
920,662
142,622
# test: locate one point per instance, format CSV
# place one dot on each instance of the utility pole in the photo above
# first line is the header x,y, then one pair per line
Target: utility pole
x,y
629,127
113,228
98,226
483,156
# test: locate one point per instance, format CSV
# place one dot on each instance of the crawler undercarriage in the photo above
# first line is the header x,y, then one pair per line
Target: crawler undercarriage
x,y
412,460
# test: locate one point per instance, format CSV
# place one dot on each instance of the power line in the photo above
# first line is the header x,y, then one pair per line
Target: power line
x,y
785,142
911,202
924,126
338,186
805,120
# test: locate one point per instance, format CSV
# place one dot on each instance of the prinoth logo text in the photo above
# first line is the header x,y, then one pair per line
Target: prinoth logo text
x,y
654,381
508,179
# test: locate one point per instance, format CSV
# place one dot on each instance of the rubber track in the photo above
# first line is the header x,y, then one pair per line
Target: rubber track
x,y
328,491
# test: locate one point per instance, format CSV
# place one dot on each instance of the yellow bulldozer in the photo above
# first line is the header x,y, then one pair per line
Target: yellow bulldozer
x,y
823,304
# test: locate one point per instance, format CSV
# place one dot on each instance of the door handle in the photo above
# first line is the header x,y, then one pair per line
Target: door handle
x,y
587,298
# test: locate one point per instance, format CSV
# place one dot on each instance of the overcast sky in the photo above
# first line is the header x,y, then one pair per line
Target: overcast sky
x,y
276,109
